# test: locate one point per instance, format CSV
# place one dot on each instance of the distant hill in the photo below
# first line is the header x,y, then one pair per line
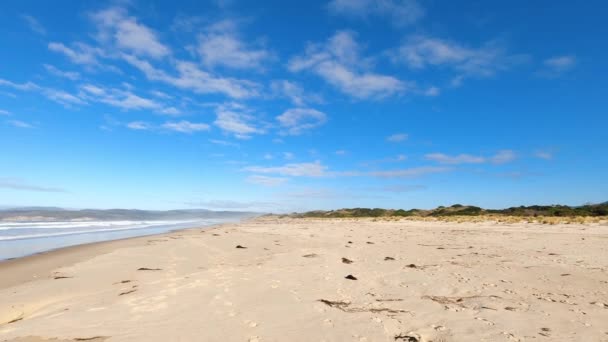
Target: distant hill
x,y
466,210
59,214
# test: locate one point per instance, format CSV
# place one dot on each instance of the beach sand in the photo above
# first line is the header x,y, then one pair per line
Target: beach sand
x,y
409,281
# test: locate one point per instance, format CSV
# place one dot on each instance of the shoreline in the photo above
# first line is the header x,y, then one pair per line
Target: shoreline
x,y
37,264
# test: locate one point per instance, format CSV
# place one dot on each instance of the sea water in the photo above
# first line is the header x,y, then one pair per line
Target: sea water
x,y
19,239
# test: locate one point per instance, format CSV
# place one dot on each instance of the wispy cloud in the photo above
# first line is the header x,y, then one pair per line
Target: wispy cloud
x,y
296,121
420,51
315,169
71,75
230,204
223,142
557,65
399,12
456,159
20,124
544,154
398,137
185,126
56,95
501,157
221,45
124,99
34,24
4,112
236,120
409,172
266,181
338,62
117,28
63,97
81,53
27,86
396,159
400,188
139,126
191,77
294,92
20,184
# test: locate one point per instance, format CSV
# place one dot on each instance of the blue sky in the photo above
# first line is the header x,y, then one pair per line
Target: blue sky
x,y
325,104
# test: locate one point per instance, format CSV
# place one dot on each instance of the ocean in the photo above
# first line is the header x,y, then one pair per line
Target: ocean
x,y
19,239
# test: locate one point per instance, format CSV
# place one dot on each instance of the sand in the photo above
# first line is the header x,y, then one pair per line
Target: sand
x,y
409,281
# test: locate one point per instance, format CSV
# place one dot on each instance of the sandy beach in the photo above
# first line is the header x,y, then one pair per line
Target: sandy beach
x,y
272,279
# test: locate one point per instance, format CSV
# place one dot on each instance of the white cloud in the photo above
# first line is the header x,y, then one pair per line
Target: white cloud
x,y
161,94
223,142
400,12
315,169
338,63
411,172
231,205
556,66
288,155
81,53
501,157
432,91
34,24
400,188
420,52
191,77
220,45
4,112
297,120
56,95
399,137
62,97
458,159
27,86
293,92
546,155
235,120
398,158
124,99
266,181
116,27
186,126
170,111
20,184
20,124
139,125
341,152
71,75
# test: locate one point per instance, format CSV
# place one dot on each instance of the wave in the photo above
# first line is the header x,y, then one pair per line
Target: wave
x,y
76,224
32,230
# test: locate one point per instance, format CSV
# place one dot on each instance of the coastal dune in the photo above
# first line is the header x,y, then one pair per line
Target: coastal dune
x,y
284,279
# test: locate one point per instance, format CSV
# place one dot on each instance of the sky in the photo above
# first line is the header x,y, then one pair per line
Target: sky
x,y
282,106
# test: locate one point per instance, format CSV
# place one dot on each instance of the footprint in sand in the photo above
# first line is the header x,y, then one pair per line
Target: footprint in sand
x,y
250,324
484,320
